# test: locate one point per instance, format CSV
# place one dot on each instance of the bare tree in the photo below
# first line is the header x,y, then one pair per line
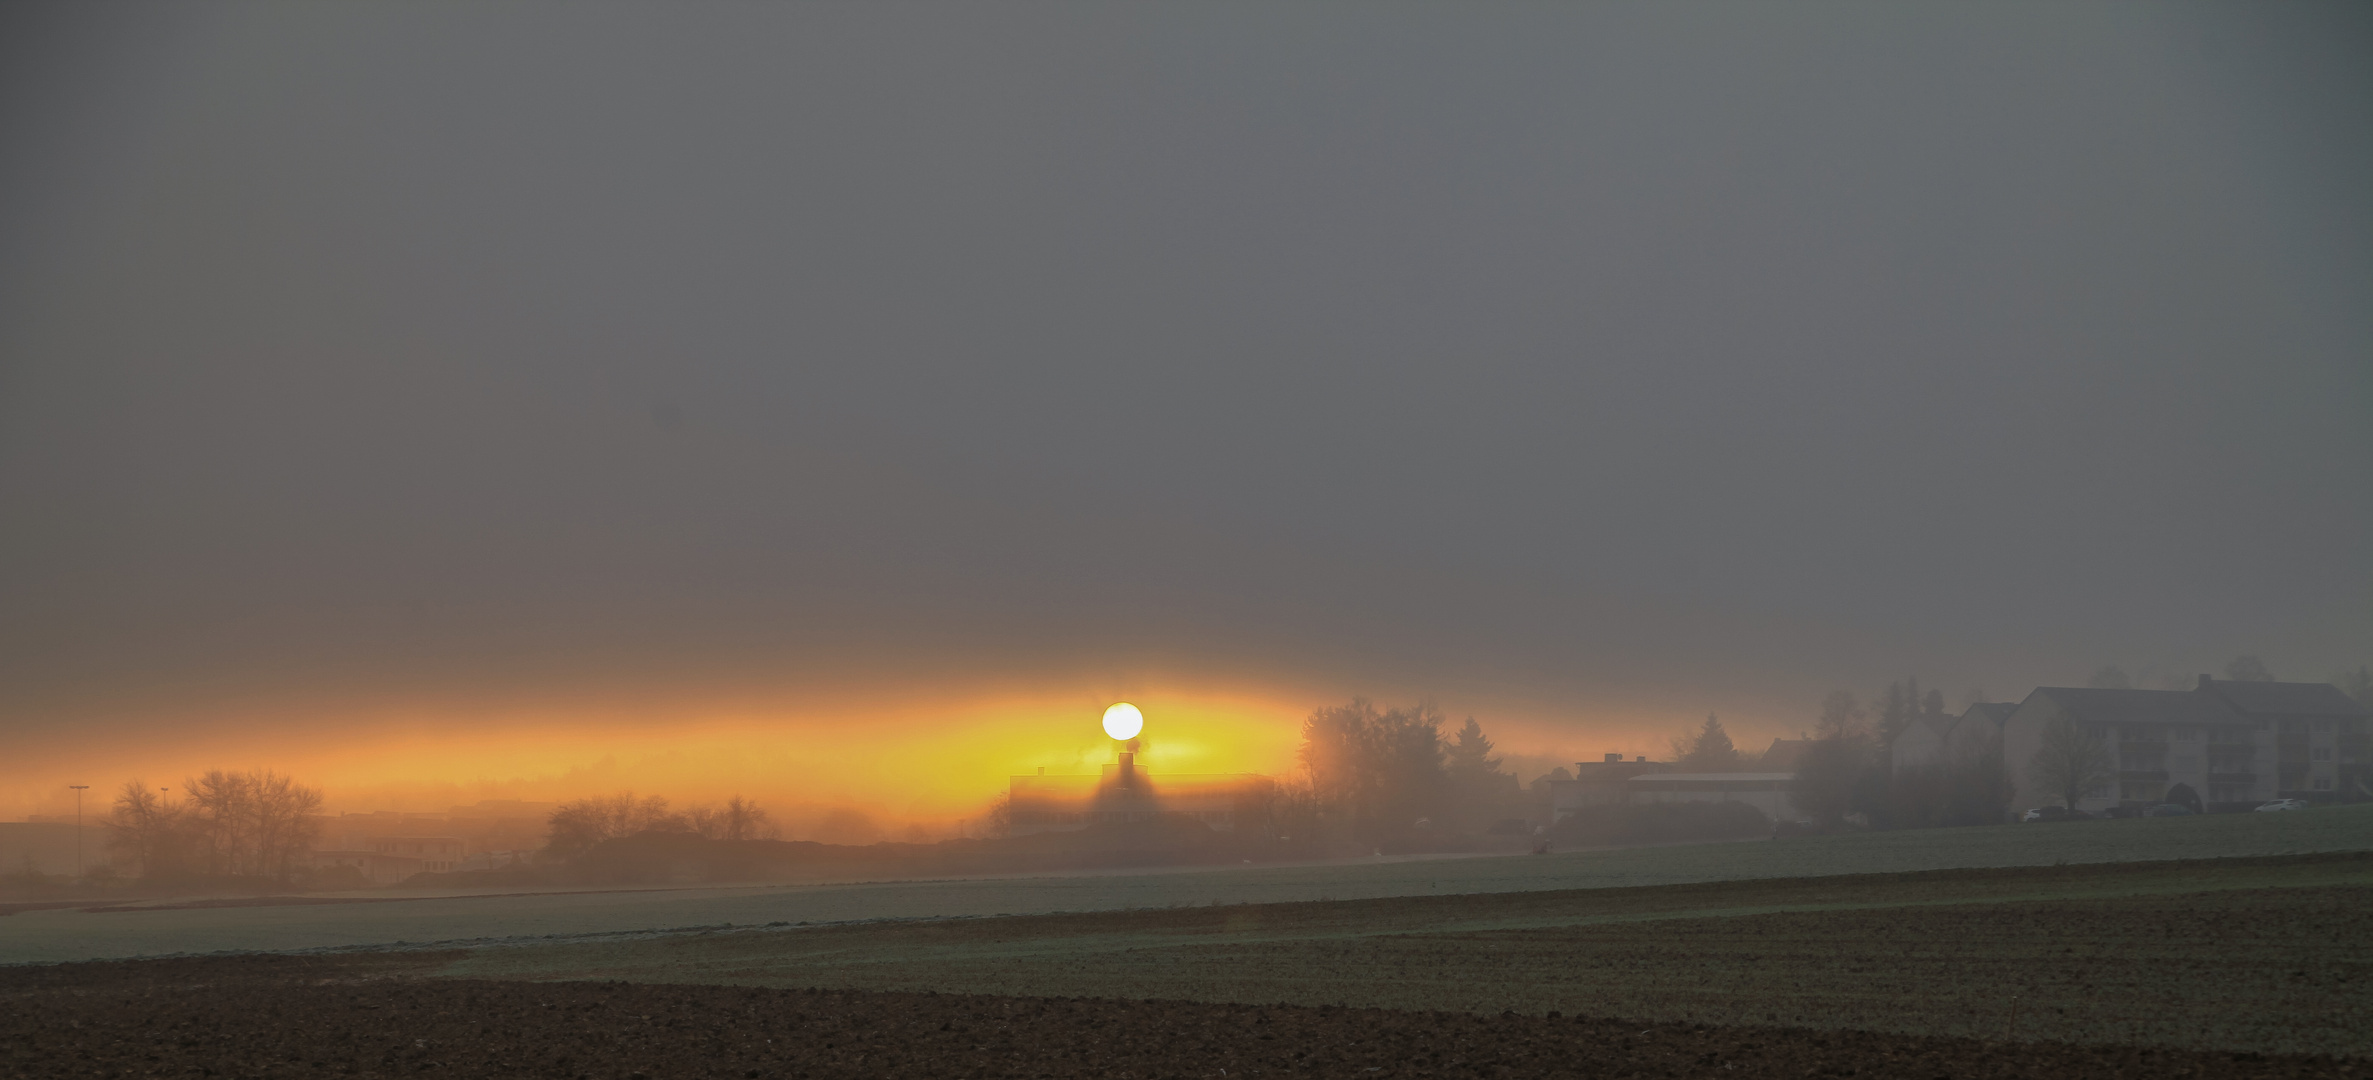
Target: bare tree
x,y
238,824
738,819
2071,760
2110,677
743,819
576,827
151,831
1841,714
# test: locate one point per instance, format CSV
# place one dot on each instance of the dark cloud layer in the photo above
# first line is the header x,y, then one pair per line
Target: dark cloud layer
x,y
1639,353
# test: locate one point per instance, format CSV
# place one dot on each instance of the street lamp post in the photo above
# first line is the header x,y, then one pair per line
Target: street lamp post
x,y
78,790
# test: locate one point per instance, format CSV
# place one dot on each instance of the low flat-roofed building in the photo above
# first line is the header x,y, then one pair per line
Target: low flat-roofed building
x,y
1765,791
1122,793
1598,783
436,853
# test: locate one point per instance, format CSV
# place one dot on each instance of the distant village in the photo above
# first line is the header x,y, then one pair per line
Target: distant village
x,y
2222,746
1381,781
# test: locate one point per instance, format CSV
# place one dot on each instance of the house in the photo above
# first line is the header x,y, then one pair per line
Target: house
x,y
1783,754
1599,783
1122,793
2222,745
1978,734
1921,743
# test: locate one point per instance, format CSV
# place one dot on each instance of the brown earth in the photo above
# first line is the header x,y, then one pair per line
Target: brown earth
x,y
2274,956
375,1015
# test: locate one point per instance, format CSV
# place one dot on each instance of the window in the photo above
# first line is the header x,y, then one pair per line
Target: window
x,y
2323,783
2185,734
2320,753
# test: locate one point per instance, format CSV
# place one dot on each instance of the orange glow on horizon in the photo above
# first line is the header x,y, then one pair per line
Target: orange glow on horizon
x,y
919,761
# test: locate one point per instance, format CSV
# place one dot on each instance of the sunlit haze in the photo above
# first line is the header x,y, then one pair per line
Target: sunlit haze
x,y
844,405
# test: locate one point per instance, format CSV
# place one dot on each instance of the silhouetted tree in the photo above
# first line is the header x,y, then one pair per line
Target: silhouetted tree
x,y
1710,750
2357,684
152,832
2248,668
1895,708
1829,774
577,826
738,819
1841,714
2110,677
1973,790
1375,773
1479,791
2071,760
235,824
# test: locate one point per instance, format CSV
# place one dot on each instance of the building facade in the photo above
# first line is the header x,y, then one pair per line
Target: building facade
x,y
1639,781
2222,745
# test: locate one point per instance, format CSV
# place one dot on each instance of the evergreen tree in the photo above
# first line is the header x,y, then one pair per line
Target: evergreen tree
x,y
1711,750
1469,759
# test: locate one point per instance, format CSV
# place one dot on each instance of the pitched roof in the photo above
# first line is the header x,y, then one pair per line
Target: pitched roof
x,y
1992,712
2284,698
2139,706
1784,752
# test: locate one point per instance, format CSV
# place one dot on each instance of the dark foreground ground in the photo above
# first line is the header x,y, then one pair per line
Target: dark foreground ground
x,y
267,1016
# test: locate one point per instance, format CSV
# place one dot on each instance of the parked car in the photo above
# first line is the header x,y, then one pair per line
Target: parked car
x,y
2122,812
2284,804
2055,813
2168,809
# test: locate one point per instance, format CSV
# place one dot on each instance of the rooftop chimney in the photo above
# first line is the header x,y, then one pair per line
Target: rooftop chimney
x,y
1642,757
2205,680
1614,757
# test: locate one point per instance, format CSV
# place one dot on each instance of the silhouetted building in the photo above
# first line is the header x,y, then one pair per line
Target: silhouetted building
x,y
1765,791
1123,793
1599,783
1782,755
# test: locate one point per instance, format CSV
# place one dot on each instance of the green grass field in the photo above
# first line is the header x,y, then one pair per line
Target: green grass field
x,y
2268,954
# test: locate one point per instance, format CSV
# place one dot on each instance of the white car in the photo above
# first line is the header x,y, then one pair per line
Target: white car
x,y
2284,804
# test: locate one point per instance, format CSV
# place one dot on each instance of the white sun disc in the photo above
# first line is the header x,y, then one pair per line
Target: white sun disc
x,y
1123,721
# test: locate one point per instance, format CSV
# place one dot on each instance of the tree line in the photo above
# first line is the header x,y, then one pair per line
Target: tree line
x,y
580,826
227,823
1379,776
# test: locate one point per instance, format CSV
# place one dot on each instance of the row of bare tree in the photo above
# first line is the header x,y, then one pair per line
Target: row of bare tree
x,y
578,826
227,823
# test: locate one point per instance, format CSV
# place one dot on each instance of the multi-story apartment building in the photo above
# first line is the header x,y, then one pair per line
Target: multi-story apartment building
x,y
2220,745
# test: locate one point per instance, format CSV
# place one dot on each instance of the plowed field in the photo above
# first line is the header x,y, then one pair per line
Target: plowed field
x,y
366,1017
2179,955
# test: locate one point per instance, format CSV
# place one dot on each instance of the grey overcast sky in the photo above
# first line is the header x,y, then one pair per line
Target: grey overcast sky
x,y
1634,359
